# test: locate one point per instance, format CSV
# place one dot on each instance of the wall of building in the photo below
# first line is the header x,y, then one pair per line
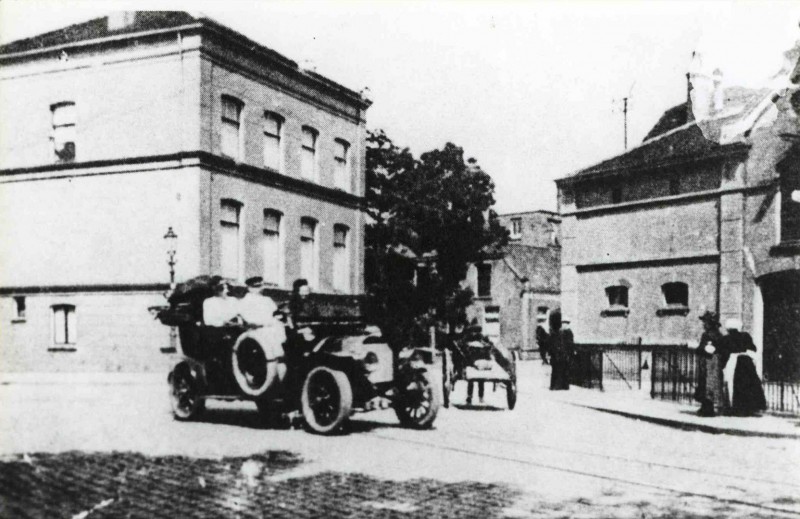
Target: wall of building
x,y
255,198
149,104
539,228
258,96
114,332
93,227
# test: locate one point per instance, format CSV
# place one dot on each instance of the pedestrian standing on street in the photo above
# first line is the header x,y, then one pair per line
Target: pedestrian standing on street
x,y
709,380
542,338
747,392
561,347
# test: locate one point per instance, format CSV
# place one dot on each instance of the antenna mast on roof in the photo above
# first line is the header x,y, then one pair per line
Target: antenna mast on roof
x,y
625,114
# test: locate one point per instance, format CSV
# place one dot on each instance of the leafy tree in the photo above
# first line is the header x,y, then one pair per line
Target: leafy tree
x,y
433,211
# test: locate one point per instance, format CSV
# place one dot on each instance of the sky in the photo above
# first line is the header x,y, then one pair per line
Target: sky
x,y
532,90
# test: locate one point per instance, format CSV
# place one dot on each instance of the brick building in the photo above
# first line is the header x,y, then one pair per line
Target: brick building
x,y
698,215
522,285
116,129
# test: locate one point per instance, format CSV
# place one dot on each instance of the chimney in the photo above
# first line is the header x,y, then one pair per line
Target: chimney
x,y
689,111
120,20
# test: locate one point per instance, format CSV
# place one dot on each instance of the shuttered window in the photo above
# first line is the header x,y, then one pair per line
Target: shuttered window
x,y
341,258
309,262
273,248
308,161
231,122
341,174
273,150
230,239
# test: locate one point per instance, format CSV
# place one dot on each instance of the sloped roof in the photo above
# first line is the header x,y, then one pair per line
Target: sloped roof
x,y
98,28
144,21
671,119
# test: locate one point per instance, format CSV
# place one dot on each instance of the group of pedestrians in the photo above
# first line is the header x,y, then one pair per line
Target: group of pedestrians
x,y
720,353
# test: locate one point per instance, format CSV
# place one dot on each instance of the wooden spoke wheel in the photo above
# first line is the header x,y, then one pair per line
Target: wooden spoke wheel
x,y
326,400
418,401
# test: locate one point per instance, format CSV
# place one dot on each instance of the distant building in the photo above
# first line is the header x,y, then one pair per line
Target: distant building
x,y
514,290
116,129
699,215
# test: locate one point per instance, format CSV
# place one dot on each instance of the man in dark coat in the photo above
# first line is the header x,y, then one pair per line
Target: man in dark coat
x,y
561,346
542,340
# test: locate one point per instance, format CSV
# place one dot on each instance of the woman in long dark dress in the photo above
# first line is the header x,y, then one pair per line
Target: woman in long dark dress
x,y
748,393
561,346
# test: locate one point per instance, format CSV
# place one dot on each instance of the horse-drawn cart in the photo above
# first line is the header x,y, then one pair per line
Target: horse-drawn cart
x,y
475,359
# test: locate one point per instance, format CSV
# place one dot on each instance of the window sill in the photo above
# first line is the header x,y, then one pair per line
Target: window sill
x,y
615,312
673,310
62,349
19,320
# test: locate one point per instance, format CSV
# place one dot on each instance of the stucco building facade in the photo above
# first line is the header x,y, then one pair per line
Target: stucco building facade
x,y
520,286
698,216
113,131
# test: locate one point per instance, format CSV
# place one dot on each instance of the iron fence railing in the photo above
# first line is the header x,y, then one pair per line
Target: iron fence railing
x,y
586,367
675,371
782,397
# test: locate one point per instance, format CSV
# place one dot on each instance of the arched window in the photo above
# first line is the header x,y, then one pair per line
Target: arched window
x,y
341,258
231,122
309,252
273,141
308,162
64,118
272,248
231,259
675,293
617,296
676,299
341,174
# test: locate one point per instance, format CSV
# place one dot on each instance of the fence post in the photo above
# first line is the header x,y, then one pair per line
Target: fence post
x,y
639,361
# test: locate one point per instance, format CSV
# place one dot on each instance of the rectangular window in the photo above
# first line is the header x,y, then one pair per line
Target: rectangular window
x,y
341,174
230,240
273,152
64,120
484,280
19,308
273,249
65,329
341,259
675,294
308,162
516,228
491,322
617,296
231,119
309,263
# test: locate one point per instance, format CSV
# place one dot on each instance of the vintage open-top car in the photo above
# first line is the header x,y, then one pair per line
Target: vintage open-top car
x,y
334,366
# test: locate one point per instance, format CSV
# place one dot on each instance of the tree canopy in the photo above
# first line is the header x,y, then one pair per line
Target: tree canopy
x,y
429,219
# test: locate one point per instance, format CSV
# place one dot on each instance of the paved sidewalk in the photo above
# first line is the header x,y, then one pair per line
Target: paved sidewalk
x,y
90,378
637,404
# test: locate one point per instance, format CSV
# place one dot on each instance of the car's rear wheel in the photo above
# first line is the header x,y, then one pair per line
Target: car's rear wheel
x,y
187,402
326,400
418,401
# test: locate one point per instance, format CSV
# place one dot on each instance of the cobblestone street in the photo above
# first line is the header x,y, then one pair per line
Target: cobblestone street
x,y
114,451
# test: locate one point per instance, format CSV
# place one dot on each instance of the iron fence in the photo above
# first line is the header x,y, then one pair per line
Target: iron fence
x,y
586,367
675,372
782,397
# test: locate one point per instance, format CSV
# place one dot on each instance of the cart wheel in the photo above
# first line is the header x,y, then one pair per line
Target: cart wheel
x,y
326,400
447,377
187,403
418,401
511,393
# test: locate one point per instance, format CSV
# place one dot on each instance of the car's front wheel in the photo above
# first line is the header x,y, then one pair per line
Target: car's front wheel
x,y
326,400
417,402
